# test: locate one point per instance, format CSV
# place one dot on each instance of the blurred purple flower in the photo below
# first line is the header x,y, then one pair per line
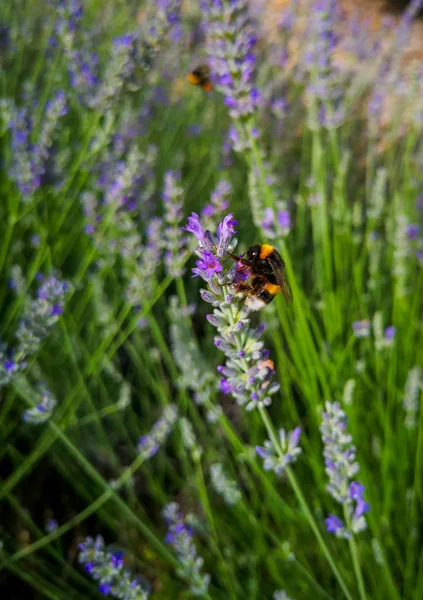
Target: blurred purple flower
x,y
289,445
180,537
362,328
413,231
229,43
341,466
390,332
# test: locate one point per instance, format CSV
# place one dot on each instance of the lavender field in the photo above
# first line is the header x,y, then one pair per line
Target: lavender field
x,y
160,437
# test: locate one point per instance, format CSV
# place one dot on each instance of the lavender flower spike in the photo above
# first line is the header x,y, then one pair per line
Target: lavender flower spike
x,y
229,46
106,567
247,372
41,412
175,243
224,485
150,443
341,467
179,536
273,461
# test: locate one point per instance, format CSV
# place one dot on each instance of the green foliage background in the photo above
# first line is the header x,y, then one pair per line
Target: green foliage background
x,y
367,180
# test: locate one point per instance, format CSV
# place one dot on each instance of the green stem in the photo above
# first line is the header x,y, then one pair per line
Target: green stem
x,y
354,556
301,499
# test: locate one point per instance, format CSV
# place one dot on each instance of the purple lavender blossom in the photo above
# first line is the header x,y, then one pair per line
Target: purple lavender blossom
x,y
225,232
159,24
211,248
390,332
248,372
324,88
179,536
176,251
219,203
149,444
41,412
106,567
207,266
55,108
142,281
83,69
288,443
275,227
284,220
229,42
362,328
51,525
413,231
29,160
341,467
194,226
336,526
24,169
9,366
34,327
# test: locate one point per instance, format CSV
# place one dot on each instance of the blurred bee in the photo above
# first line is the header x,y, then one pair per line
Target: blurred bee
x,y
266,270
201,76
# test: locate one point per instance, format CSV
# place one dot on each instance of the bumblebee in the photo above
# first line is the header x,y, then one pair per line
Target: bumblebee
x,y
201,76
266,270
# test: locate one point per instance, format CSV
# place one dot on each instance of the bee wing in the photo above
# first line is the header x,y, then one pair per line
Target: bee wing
x,y
278,268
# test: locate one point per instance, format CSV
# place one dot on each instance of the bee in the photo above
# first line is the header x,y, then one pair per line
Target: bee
x,y
201,76
266,270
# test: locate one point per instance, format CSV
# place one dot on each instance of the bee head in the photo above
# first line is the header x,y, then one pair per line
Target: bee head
x,y
253,253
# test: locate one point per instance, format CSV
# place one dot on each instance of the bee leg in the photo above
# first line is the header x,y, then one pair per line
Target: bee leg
x,y
241,288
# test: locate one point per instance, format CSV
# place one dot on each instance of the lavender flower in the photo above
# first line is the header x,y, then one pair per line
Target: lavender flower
x,y
188,438
106,567
208,265
55,109
278,225
219,204
348,394
44,312
175,243
120,67
230,42
195,373
68,16
163,18
341,467
324,88
29,159
179,536
390,333
224,485
142,281
273,461
9,365
39,317
401,253
247,373
194,226
41,412
362,328
411,398
51,525
24,168
413,231
149,444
